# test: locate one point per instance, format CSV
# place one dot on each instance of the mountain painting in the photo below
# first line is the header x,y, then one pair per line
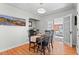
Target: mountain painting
x,y
11,21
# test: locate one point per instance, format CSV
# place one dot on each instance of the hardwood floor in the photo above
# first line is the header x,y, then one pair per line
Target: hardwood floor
x,y
58,49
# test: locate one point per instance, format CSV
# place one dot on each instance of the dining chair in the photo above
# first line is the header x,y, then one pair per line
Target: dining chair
x,y
42,45
32,44
50,34
51,37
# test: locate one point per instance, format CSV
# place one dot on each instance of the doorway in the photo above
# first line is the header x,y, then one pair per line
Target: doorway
x,y
63,29
67,26
58,29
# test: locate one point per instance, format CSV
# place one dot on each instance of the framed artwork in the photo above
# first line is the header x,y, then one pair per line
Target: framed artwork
x,y
12,21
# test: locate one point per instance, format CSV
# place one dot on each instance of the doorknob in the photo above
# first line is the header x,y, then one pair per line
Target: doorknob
x,y
70,32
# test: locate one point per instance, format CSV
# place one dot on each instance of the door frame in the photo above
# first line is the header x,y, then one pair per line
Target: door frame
x,y
70,44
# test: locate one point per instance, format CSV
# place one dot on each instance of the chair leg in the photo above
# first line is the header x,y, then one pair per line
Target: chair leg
x,y
34,47
52,44
29,46
44,50
48,48
37,48
41,49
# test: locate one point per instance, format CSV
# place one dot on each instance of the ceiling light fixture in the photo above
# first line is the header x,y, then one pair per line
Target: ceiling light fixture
x,y
41,10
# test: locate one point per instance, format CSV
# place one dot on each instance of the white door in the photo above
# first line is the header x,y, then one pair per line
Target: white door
x,y
68,30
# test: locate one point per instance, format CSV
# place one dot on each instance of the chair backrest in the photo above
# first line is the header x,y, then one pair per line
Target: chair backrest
x,y
47,32
50,33
45,41
42,42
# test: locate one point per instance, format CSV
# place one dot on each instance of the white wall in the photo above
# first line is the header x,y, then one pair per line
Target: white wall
x,y
12,36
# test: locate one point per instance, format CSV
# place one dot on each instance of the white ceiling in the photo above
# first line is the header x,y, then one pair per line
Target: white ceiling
x,y
49,7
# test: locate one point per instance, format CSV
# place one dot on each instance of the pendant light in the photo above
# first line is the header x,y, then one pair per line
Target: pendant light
x,y
41,10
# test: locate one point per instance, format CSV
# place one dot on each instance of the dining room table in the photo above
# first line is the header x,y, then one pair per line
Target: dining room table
x,y
34,37
38,39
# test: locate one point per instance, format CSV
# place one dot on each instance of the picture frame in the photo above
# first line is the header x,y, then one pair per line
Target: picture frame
x,y
30,24
12,21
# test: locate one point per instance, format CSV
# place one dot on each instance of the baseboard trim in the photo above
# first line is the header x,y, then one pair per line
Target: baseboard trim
x,y
14,46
